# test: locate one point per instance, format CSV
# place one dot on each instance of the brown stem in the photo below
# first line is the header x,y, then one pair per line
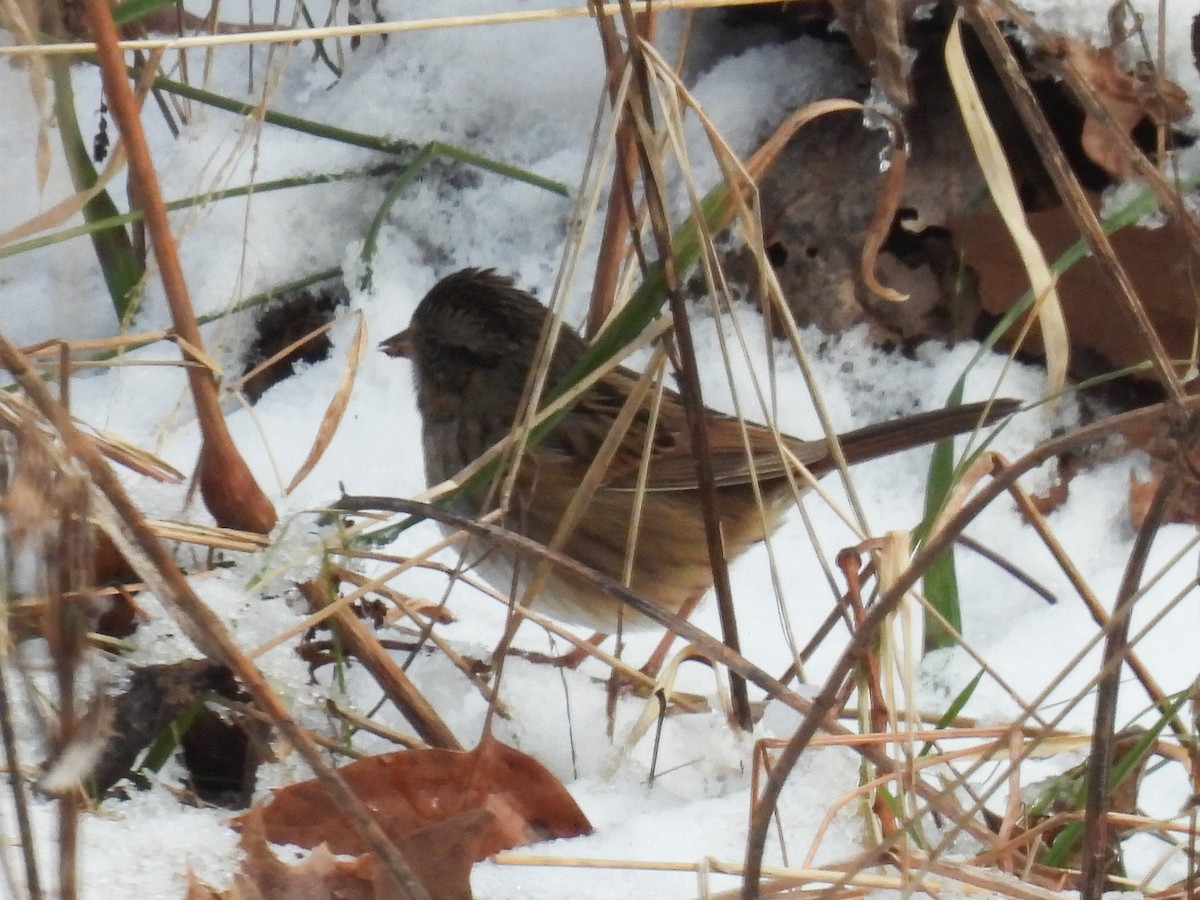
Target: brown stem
x,y
619,220
1096,854
848,561
1092,602
641,110
229,490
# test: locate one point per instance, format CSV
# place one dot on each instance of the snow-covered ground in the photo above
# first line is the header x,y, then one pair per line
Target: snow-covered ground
x,y
527,94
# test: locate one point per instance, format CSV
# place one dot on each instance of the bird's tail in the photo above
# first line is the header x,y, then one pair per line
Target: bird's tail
x,y
883,438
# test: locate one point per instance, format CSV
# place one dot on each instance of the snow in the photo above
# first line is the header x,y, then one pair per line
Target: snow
x,y
527,95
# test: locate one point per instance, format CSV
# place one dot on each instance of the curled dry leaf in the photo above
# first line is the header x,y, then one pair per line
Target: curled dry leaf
x,y
410,790
1128,99
263,876
761,161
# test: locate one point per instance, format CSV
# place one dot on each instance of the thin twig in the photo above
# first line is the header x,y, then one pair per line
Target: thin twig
x,y
1095,853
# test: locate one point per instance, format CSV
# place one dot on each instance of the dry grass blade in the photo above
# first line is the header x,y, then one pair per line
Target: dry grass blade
x,y
15,412
1092,602
832,692
115,345
20,21
899,658
296,35
44,500
69,207
336,409
209,536
999,177
788,882
280,354
118,450
196,357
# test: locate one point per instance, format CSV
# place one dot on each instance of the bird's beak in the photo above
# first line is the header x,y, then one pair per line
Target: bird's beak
x,y
398,344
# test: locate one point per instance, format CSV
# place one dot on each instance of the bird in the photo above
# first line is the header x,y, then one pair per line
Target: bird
x,y
473,341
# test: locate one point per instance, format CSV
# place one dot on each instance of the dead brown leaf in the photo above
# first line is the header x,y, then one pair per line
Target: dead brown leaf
x,y
1158,261
514,796
438,855
1128,98
264,876
1053,497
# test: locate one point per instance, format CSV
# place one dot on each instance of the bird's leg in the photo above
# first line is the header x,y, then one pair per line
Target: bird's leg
x,y
659,656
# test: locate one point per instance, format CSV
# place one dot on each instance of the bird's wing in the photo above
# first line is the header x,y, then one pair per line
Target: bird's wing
x,y
672,465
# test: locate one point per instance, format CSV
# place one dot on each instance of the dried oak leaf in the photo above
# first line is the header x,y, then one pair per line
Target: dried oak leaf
x,y
1158,261
263,876
1127,98
410,790
437,856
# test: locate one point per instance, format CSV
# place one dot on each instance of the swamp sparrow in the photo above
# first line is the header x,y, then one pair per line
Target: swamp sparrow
x,y
473,341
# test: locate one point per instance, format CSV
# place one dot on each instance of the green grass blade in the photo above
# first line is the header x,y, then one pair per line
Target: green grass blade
x,y
411,171
358,138
121,219
940,583
114,250
955,707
